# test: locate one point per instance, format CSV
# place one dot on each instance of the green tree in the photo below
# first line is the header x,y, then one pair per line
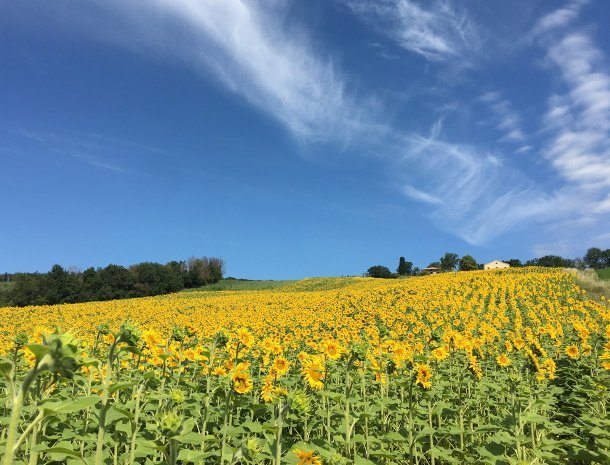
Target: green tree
x,y
468,263
597,258
27,290
449,261
405,268
176,273
606,258
551,261
514,263
116,282
379,271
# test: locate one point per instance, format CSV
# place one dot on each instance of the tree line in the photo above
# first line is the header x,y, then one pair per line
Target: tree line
x,y
594,258
112,282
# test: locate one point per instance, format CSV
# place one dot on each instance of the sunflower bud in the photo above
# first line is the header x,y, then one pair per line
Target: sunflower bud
x,y
337,459
103,329
170,424
177,396
128,335
253,448
59,353
299,402
221,339
20,340
359,351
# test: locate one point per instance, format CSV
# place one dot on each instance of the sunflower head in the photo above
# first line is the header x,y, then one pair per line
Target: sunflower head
x,y
307,457
572,351
424,375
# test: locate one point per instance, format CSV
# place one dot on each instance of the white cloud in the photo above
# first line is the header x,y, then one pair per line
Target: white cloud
x,y
579,120
274,69
254,51
432,29
420,196
84,148
472,194
559,17
577,130
251,49
507,120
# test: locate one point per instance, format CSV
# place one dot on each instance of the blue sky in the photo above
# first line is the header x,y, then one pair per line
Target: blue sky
x,y
298,139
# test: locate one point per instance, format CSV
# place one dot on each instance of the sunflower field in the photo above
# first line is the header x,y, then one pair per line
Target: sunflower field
x,y
482,367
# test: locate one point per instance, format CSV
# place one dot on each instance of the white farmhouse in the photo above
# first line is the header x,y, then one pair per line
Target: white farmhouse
x,y
496,265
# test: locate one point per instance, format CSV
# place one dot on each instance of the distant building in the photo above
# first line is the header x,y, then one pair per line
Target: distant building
x,y
431,270
495,265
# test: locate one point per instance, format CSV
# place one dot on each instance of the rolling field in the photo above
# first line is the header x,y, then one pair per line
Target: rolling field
x,y
503,367
242,285
604,274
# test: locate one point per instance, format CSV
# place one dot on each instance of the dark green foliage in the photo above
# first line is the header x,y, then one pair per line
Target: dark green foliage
x,y
27,289
109,283
405,268
551,261
514,263
202,271
468,263
379,271
597,258
449,261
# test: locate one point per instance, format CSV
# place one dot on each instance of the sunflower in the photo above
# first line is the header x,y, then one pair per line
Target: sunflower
x,y
267,390
242,382
219,371
503,360
152,338
307,457
281,365
572,351
424,375
245,337
440,353
549,365
332,349
314,371
189,354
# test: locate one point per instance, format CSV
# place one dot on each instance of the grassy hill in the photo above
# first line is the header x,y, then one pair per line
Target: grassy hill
x,y
304,285
604,274
242,285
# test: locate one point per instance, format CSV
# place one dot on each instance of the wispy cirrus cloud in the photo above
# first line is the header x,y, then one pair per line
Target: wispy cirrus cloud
x,y
434,30
252,51
558,18
507,119
577,124
256,53
579,119
84,148
468,192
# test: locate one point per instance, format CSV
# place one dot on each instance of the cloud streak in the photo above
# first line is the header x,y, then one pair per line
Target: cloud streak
x,y
255,52
508,121
558,18
473,194
577,124
437,32
85,149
